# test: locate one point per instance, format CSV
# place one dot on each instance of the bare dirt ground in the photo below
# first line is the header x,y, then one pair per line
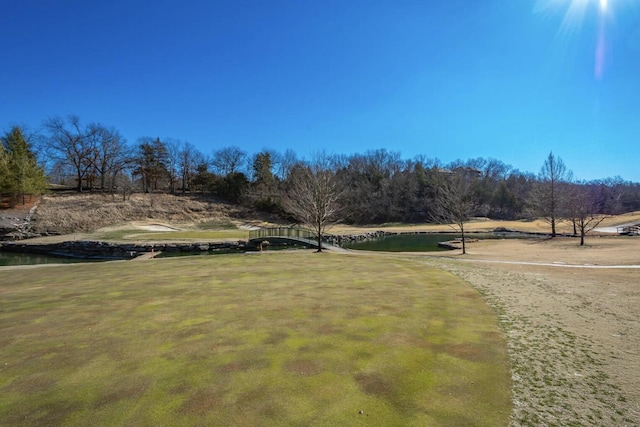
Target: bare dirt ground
x,y
10,217
572,321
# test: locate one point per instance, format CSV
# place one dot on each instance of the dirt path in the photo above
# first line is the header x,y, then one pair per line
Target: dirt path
x,y
573,333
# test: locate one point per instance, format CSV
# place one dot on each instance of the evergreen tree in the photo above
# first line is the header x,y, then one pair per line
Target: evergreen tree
x,y
262,165
20,173
264,183
151,159
4,170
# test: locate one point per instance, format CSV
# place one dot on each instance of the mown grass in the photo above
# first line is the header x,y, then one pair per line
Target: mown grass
x,y
217,224
138,235
198,235
271,339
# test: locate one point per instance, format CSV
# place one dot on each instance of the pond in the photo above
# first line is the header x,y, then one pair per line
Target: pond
x,y
403,243
427,242
11,258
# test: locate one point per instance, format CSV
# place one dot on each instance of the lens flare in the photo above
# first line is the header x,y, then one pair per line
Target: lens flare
x,y
601,45
599,60
574,17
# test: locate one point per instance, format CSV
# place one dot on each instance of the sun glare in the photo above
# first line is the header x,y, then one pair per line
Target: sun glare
x,y
574,17
575,11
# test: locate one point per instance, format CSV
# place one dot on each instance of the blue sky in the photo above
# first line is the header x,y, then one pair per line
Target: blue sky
x,y
505,79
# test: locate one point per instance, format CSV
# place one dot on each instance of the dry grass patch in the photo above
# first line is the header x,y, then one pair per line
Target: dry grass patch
x,y
572,331
488,225
87,212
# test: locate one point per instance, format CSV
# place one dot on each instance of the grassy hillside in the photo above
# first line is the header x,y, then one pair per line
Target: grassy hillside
x,y
71,213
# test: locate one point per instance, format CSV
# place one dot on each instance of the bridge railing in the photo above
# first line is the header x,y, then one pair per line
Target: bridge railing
x,y
281,232
633,230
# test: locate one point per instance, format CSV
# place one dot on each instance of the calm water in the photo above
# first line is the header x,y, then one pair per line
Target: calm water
x,y
397,243
403,243
9,258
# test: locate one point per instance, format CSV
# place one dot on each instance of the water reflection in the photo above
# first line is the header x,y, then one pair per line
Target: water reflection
x,y
403,243
10,258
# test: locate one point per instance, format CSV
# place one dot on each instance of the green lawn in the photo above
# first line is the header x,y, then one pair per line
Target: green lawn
x,y
293,338
138,235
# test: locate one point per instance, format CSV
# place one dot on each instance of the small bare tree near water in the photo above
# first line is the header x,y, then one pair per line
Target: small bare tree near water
x,y
454,203
312,198
547,197
581,206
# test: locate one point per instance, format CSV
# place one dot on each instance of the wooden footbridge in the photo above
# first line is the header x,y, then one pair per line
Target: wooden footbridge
x,y
629,230
289,235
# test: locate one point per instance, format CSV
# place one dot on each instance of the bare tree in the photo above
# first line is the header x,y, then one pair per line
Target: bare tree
x,y
228,160
615,188
313,198
285,164
188,161
546,197
110,153
173,150
454,203
70,143
581,207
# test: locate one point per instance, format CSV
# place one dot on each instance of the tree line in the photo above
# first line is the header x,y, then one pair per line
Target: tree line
x,y
374,187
